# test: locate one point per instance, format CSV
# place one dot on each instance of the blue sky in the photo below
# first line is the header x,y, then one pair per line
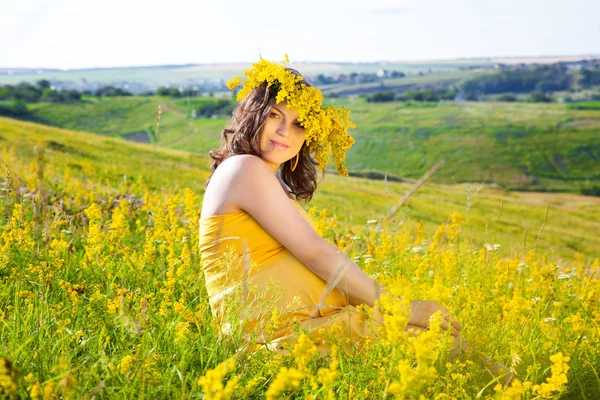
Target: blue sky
x,y
83,34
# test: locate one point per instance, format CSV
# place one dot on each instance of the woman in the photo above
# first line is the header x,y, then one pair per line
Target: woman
x,y
254,233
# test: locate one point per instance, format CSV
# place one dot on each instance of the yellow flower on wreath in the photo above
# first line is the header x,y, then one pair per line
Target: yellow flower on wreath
x,y
326,127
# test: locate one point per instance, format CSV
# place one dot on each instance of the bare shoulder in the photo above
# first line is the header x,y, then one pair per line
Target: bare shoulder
x,y
247,183
242,170
231,180
242,163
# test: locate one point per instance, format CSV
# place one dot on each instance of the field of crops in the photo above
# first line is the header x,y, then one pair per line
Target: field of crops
x,y
102,294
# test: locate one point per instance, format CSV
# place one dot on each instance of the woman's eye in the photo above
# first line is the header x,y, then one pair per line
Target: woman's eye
x,y
274,115
299,125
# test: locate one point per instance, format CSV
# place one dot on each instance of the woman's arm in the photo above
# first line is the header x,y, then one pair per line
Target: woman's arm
x,y
331,264
256,190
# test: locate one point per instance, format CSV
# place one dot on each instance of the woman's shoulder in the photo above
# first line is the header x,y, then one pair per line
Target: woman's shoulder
x,y
241,169
240,163
231,176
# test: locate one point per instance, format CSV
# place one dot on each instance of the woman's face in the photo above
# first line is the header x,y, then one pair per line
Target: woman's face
x,y
282,136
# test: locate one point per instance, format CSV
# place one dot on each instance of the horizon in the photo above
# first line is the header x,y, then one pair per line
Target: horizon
x,y
570,57
112,34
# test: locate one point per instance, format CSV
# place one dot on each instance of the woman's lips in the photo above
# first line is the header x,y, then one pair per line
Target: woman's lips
x,y
278,145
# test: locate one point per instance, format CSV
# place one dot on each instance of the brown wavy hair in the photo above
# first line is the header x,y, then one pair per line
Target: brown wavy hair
x,y
242,136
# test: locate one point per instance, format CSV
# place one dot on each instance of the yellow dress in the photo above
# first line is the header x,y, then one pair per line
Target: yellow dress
x,y
249,274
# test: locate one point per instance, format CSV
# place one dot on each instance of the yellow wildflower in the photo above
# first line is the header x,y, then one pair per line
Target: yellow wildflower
x,y
326,127
212,382
286,380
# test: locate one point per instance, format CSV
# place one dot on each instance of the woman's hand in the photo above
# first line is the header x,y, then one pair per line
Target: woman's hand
x,y
422,310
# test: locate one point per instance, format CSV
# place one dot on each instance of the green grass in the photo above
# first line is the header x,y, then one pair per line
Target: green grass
x,y
571,221
102,291
584,105
540,147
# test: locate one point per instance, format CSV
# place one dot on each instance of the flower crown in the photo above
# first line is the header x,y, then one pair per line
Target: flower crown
x,y
326,127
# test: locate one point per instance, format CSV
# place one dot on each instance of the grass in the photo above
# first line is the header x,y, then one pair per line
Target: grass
x,y
102,293
534,147
584,105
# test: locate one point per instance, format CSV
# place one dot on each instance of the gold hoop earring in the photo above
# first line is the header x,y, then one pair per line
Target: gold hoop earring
x,y
293,167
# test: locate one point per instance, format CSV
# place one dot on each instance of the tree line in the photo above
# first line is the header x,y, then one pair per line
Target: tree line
x,y
546,78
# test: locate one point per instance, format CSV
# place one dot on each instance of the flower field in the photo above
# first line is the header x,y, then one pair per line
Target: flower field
x,y
102,294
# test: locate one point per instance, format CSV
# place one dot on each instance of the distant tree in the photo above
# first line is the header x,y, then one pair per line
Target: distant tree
x,y
26,92
111,91
448,95
162,91
17,108
213,108
5,92
43,84
380,97
507,97
521,80
70,96
539,97
50,96
590,77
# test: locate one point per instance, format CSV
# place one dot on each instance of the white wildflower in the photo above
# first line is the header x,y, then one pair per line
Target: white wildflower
x,y
561,277
549,319
417,249
491,247
371,221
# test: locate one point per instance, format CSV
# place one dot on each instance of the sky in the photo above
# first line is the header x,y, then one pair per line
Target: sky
x,y
70,34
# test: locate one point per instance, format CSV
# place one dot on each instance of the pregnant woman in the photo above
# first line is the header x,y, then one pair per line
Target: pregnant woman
x,y
267,270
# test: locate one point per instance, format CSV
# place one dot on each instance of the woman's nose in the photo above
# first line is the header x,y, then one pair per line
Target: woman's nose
x,y
282,129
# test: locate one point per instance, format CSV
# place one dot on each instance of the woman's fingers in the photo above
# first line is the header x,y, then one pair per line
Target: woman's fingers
x,y
422,311
446,325
455,324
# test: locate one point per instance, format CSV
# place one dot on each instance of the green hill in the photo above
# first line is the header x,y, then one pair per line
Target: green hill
x,y
113,161
103,293
539,147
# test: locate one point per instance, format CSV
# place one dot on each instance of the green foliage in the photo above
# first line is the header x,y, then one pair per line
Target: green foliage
x,y
42,91
16,109
427,95
381,97
111,91
539,97
590,77
507,97
519,80
209,109
526,146
584,105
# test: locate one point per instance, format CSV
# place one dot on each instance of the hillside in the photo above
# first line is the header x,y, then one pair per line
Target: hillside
x,y
492,214
103,291
540,147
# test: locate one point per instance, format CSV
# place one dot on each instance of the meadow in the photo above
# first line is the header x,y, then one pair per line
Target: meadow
x,y
533,147
102,294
